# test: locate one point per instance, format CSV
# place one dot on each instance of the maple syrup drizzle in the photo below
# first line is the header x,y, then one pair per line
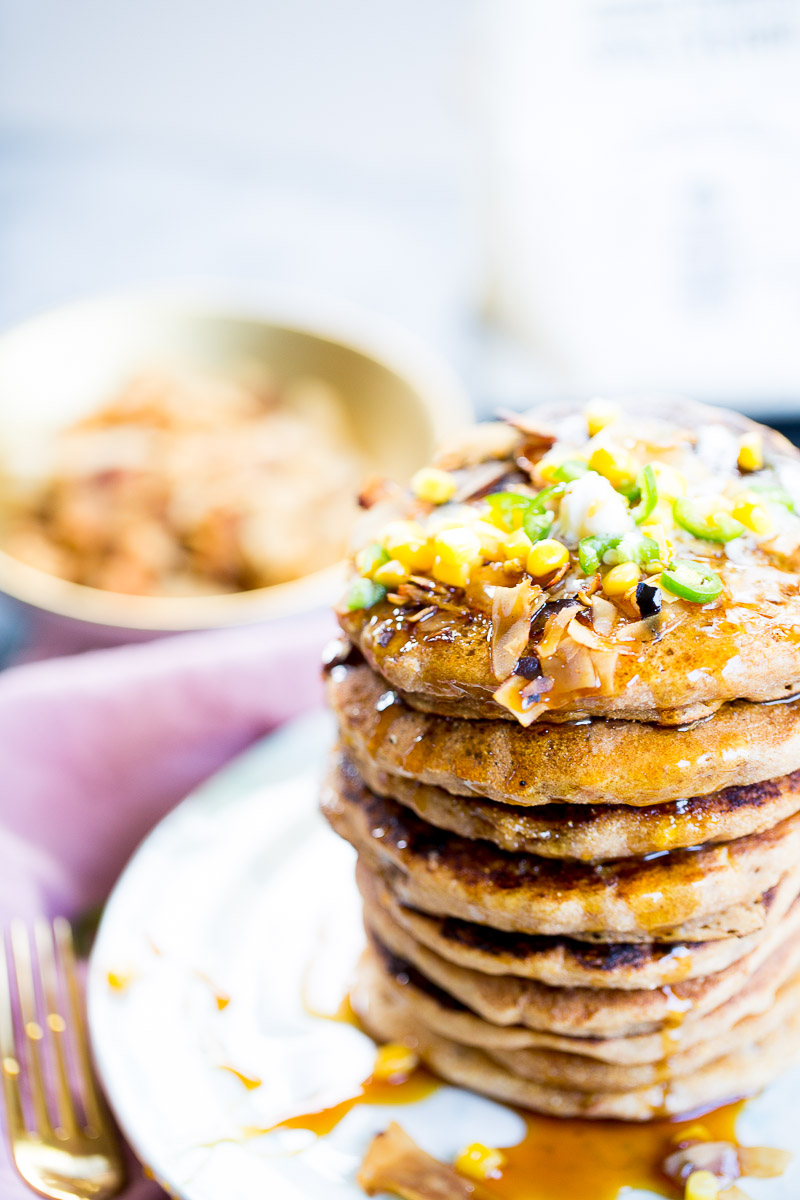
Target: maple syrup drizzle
x,y
344,1014
561,1159
556,1159
677,1011
417,1086
221,998
250,1082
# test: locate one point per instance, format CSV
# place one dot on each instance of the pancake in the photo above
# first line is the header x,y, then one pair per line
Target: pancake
x,y
434,635
380,973
635,900
606,1012
605,762
593,833
727,653
565,962
740,1073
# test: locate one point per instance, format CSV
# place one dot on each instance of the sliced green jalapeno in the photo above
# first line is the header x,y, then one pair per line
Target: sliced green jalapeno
x,y
648,490
364,593
719,528
692,581
570,469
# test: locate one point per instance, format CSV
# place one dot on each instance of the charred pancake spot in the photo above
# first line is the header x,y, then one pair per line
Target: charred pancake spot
x,y
607,956
480,863
404,973
756,794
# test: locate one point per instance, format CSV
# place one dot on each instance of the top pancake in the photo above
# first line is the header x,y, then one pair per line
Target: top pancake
x,y
450,648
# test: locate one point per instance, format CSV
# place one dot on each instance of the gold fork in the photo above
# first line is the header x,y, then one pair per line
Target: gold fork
x,y
71,1152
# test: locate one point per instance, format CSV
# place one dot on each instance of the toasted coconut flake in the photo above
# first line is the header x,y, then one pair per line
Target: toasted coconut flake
x,y
422,615
378,490
536,688
634,631
604,615
720,1158
480,443
578,668
536,432
605,663
438,597
512,611
587,592
590,638
515,695
395,1163
552,580
554,629
763,1162
479,479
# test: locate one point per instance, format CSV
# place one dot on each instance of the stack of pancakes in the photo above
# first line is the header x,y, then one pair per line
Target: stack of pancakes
x,y
596,913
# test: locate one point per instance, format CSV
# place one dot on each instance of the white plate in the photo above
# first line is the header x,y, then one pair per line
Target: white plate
x,y
243,892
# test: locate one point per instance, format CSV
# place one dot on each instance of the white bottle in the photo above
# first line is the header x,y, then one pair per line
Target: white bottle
x,y
640,163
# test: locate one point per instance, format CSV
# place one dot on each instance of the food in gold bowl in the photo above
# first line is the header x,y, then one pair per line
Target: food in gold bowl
x,y
568,761
174,462
191,484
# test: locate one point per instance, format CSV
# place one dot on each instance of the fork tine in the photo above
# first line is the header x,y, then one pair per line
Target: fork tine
x,y
93,1103
21,953
54,1025
9,1063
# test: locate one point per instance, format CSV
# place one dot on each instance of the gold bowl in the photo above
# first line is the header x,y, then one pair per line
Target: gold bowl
x,y
60,366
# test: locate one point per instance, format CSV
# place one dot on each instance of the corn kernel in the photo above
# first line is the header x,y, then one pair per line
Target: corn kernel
x,y
391,574
480,1162
670,482
490,537
119,980
613,462
456,546
444,518
394,1062
621,579
751,453
408,542
663,515
517,545
599,414
545,557
695,1133
754,516
701,1185
453,574
433,485
548,465
369,558
659,535
547,468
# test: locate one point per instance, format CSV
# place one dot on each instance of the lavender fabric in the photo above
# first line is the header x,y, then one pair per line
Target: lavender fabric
x,y
95,749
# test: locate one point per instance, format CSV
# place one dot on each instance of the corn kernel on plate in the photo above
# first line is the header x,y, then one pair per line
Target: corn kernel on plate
x,y
224,951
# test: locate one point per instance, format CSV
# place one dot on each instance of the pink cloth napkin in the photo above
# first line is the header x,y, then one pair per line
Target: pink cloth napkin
x,y
94,749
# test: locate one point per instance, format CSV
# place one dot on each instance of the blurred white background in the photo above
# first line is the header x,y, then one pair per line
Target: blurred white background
x,y
615,182
314,144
